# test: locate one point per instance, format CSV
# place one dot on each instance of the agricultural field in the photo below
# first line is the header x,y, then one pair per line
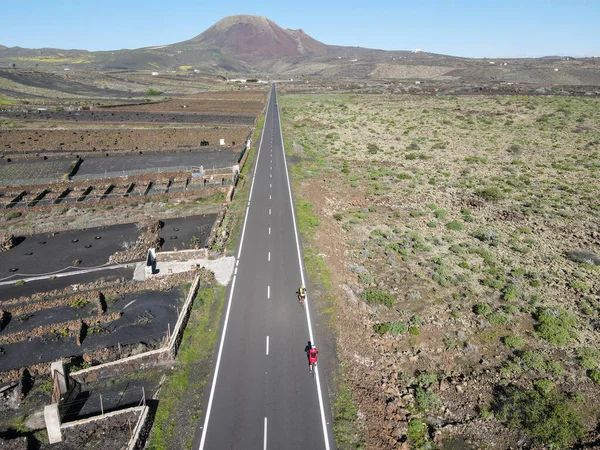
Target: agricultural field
x,y
85,193
48,141
460,239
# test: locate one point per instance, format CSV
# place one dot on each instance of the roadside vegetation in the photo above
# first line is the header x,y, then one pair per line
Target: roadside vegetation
x,y
461,239
179,408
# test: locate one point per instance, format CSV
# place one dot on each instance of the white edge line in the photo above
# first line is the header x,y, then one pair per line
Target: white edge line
x,y
217,365
265,436
310,333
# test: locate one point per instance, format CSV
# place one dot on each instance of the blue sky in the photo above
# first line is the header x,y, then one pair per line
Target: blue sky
x,y
483,28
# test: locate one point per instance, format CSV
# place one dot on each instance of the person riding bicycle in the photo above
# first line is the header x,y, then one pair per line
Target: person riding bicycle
x,y
313,356
302,293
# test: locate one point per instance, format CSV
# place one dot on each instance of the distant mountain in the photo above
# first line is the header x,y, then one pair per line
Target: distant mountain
x,y
254,45
255,37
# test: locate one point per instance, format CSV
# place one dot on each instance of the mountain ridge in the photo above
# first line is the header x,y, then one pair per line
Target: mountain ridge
x,y
257,46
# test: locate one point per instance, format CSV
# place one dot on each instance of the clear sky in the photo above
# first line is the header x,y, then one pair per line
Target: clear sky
x,y
472,28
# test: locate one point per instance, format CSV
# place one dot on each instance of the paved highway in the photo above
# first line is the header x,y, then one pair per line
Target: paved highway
x,y
261,395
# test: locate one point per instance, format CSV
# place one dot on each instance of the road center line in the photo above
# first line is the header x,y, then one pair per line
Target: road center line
x,y
269,230
269,256
226,321
268,291
267,345
269,211
265,436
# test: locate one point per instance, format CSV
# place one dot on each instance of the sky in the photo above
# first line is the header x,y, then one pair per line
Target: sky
x,y
469,28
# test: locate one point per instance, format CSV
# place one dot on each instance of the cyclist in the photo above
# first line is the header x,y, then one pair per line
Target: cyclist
x,y
301,294
313,356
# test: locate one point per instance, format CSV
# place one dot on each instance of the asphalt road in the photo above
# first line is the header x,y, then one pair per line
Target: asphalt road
x,y
261,394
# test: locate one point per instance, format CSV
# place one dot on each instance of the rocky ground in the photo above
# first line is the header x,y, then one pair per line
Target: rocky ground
x,y
462,240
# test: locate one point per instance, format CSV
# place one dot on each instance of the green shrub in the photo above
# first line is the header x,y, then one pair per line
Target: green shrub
x,y
547,416
373,148
594,375
510,292
12,215
417,433
514,342
381,328
79,303
544,386
533,360
338,217
153,92
414,331
490,193
497,318
397,328
378,297
556,325
427,378
455,225
440,213
589,357
426,400
482,309
19,283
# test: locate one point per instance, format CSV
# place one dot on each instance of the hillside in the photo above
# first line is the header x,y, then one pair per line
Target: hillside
x,y
254,45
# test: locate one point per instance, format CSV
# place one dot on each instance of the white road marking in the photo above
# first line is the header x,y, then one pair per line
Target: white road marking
x,y
267,345
270,198
310,333
265,438
268,291
220,352
269,230
129,304
269,211
269,256
270,185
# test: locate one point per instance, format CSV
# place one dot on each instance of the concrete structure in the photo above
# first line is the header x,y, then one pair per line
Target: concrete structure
x,y
52,418
58,367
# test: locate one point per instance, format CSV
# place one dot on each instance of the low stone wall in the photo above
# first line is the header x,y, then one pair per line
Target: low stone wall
x,y
182,255
179,327
141,430
213,233
126,422
146,359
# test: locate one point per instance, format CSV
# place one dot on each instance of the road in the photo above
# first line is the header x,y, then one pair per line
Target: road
x,y
261,395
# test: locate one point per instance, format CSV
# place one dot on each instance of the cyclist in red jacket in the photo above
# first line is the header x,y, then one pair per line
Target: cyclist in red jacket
x,y
313,356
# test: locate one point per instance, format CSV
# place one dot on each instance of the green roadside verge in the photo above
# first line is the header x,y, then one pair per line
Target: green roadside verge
x,y
345,413
181,395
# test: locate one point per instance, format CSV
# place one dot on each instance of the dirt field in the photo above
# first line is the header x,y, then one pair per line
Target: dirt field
x,y
462,239
193,105
131,117
16,143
